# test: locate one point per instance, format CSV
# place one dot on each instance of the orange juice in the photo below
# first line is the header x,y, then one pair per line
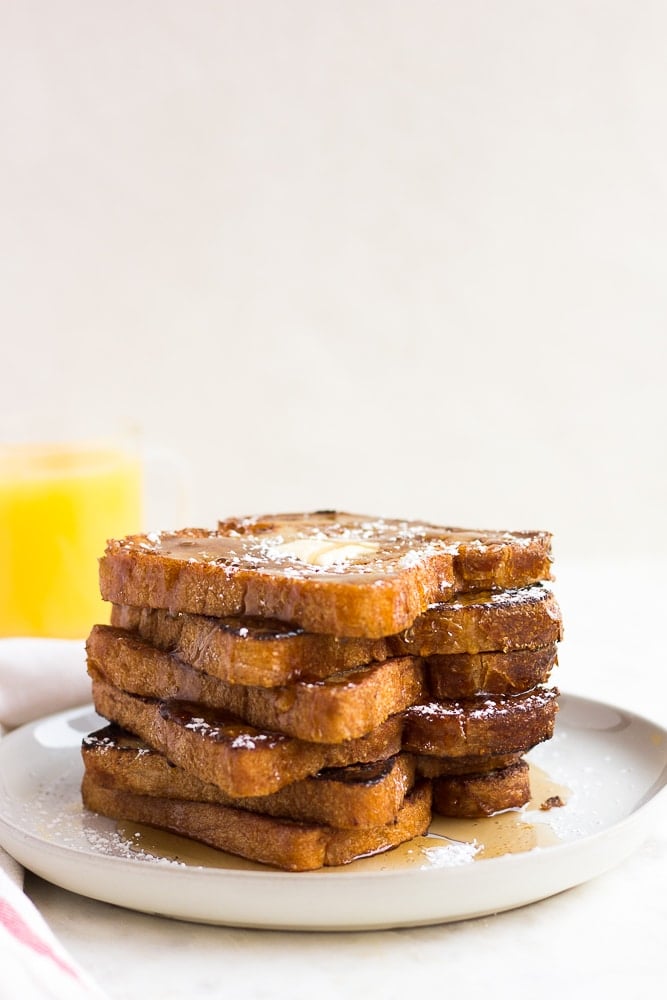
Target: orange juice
x,y
58,506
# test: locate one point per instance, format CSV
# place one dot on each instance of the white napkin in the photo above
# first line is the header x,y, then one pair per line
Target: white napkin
x,y
37,677
11,869
8,867
41,676
31,959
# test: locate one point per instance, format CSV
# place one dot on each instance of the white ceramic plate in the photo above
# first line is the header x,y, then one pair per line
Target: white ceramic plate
x,y
613,763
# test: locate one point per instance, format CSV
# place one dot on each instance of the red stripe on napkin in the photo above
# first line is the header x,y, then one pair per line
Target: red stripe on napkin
x,y
17,926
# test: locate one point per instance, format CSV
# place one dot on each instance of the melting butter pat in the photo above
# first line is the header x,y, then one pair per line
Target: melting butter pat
x,y
325,551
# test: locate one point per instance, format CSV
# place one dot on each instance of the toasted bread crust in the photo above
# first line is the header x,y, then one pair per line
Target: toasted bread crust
x,y
244,569
269,653
261,652
283,843
474,795
437,767
342,707
466,675
498,724
223,750
360,795
489,621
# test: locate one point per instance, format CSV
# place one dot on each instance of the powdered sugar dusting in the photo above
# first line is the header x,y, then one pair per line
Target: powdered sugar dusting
x,y
112,842
56,815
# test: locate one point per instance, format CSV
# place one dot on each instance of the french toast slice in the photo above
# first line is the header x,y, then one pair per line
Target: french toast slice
x,y
338,708
471,796
283,843
438,767
221,749
503,620
491,724
359,795
467,675
248,650
265,652
329,572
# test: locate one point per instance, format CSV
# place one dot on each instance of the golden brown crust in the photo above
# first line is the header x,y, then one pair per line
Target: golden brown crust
x,y
495,724
465,675
283,843
269,653
358,795
221,749
436,767
516,618
245,650
253,566
475,795
341,707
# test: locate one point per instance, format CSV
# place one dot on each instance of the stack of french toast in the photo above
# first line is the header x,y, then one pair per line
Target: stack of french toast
x,y
306,689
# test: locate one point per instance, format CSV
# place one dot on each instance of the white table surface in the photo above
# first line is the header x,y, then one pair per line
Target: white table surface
x,y
609,934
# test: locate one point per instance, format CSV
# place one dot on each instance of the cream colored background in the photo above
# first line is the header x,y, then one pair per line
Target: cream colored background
x,y
406,258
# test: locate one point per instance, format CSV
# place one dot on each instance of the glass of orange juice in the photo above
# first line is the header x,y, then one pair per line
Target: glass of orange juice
x,y
59,503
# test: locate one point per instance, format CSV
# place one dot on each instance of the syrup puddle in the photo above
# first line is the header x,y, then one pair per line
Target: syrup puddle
x,y
453,842
514,831
159,844
449,842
